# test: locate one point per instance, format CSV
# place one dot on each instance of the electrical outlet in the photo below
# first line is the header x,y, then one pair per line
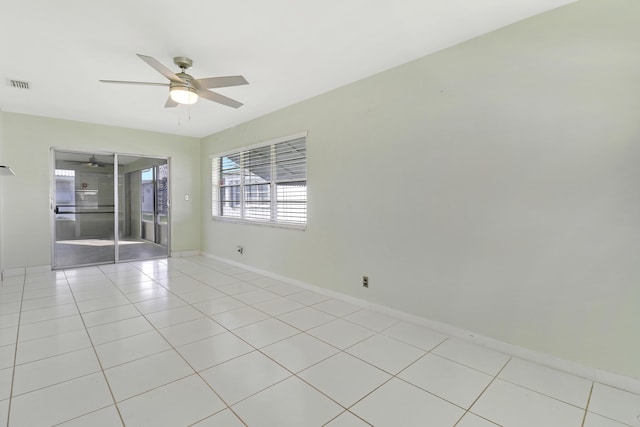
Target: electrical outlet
x,y
365,281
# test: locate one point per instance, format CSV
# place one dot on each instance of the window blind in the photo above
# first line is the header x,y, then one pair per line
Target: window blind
x,y
262,184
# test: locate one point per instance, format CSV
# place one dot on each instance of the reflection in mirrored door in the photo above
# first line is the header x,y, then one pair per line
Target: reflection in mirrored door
x,y
144,231
108,208
83,209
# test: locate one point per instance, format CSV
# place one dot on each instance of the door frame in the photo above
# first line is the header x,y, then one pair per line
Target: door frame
x,y
116,199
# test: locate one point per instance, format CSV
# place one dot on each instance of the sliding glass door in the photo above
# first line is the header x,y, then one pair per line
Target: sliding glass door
x,y
98,209
144,231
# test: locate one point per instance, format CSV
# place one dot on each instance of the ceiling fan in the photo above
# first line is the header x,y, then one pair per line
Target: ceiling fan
x,y
183,88
92,163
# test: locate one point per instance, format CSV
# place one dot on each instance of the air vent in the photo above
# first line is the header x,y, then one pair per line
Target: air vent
x,y
20,84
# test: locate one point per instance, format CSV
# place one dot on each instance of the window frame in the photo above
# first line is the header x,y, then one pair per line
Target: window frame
x,y
216,175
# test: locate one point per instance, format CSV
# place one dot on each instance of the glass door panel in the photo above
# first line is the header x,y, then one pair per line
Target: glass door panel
x,y
83,209
144,209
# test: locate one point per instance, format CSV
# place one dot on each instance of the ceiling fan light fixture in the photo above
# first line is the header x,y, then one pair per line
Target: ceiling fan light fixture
x,y
183,94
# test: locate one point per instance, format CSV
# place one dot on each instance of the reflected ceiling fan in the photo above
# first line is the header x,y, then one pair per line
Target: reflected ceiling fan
x,y
92,163
183,88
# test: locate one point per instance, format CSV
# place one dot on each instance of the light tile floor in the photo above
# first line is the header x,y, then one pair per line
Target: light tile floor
x,y
194,341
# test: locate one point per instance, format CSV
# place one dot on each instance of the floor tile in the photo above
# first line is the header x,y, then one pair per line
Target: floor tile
x,y
284,289
595,420
299,352
95,292
160,304
415,335
4,411
148,294
179,403
139,286
290,403
5,383
236,287
371,319
344,378
308,297
341,333
224,418
41,348
61,402
191,331
239,317
141,375
217,280
117,330
45,302
10,320
616,404
53,370
278,306
219,305
8,335
108,315
386,353
128,349
48,291
474,356
201,295
42,314
341,353
9,307
7,353
255,296
182,284
510,405
397,403
471,420
449,380
102,303
50,327
244,376
553,383
265,332
106,417
347,419
174,316
336,307
212,351
306,318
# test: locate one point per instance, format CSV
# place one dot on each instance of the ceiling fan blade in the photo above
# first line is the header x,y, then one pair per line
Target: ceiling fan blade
x,y
216,97
160,68
123,82
213,82
170,103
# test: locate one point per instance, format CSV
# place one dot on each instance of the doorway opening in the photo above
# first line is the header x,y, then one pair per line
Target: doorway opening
x,y
108,208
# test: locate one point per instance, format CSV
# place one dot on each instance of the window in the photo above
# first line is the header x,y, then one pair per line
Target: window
x,y
265,183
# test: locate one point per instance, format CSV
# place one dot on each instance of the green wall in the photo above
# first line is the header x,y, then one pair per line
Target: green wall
x,y
492,186
27,142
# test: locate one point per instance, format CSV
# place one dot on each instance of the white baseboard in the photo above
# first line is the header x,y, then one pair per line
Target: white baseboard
x,y
185,253
38,269
9,272
593,374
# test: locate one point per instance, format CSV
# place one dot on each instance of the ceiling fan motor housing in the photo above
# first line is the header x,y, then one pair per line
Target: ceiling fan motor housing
x,y
183,62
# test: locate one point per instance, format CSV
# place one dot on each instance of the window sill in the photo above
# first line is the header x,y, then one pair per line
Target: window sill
x,y
295,227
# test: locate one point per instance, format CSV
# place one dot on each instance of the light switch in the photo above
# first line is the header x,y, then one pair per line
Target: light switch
x,y
186,197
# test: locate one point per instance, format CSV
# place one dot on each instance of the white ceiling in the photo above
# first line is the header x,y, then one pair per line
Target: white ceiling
x,y
288,51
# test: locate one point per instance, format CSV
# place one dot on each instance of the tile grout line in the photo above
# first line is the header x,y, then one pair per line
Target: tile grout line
x,y
104,375
172,347
467,410
15,351
586,408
